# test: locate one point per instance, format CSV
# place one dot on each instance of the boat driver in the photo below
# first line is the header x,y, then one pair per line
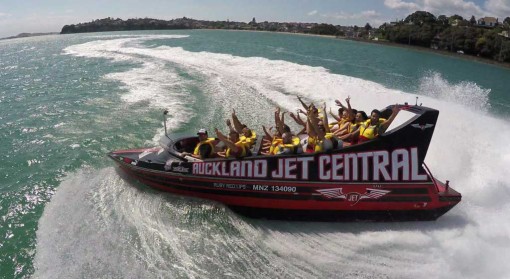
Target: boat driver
x,y
204,148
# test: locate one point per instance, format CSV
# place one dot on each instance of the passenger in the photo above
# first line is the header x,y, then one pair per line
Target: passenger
x,y
204,148
288,145
351,137
339,119
247,136
375,126
319,137
299,121
269,136
235,148
348,125
274,144
271,144
347,115
327,141
273,138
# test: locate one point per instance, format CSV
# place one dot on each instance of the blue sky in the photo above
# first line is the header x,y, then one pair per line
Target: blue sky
x,y
48,16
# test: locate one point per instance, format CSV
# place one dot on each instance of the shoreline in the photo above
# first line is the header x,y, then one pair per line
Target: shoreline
x,y
434,51
472,58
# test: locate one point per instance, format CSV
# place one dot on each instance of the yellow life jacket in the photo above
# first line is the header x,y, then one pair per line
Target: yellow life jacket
x,y
239,144
312,143
295,146
319,146
352,127
207,141
368,131
339,124
329,135
249,141
274,144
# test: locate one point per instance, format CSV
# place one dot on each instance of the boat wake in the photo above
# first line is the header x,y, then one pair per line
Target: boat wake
x,y
97,225
101,223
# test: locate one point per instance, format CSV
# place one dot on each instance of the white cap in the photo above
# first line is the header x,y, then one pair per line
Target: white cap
x,y
202,131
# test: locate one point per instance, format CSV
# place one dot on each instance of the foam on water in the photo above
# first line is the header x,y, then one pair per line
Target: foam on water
x,y
96,223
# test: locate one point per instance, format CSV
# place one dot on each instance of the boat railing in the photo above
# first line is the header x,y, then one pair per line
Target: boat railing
x,y
431,176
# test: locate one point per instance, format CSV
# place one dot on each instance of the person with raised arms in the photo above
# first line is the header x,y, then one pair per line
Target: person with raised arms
x,y
376,125
235,147
246,135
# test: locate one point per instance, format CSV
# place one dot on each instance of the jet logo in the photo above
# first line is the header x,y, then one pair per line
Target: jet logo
x,y
353,197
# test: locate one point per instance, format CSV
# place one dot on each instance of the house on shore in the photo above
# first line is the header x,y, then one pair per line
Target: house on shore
x,y
488,21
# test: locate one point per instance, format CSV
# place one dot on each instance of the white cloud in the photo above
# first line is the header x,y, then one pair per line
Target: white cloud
x,y
4,14
498,8
401,5
451,7
363,15
314,12
464,8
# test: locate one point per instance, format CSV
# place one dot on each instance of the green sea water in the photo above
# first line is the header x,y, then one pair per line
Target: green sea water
x,y
67,100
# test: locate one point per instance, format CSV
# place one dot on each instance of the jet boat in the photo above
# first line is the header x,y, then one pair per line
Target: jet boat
x,y
384,179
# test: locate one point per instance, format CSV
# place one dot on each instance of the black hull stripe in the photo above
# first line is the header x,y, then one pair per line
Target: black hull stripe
x,y
343,216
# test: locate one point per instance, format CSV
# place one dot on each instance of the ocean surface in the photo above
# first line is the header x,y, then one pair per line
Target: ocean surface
x,y
67,100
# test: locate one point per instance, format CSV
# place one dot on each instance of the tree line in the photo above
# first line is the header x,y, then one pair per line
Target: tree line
x,y
420,28
454,34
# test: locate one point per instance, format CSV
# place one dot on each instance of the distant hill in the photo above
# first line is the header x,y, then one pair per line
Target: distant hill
x,y
24,35
111,24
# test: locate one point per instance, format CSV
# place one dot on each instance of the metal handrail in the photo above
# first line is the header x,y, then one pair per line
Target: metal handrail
x,y
431,176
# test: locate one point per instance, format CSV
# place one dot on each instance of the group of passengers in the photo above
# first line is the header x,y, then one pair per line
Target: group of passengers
x,y
316,135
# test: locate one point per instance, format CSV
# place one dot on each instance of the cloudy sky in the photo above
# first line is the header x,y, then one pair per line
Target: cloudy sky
x,y
49,16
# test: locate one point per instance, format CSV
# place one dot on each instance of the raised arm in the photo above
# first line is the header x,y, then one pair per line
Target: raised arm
x,y
267,136
387,123
224,139
237,124
297,119
338,103
349,108
303,104
229,125
314,126
325,121
338,119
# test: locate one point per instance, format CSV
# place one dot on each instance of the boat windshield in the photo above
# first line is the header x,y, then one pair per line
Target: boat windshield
x,y
166,142
402,117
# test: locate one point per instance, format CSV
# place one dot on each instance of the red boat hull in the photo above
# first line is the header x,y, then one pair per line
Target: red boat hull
x,y
404,201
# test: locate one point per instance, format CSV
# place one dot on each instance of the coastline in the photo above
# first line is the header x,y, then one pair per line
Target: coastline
x,y
434,51
390,44
385,43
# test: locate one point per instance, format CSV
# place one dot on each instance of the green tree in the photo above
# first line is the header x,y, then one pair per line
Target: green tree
x,y
324,29
472,21
420,18
442,20
504,54
507,21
